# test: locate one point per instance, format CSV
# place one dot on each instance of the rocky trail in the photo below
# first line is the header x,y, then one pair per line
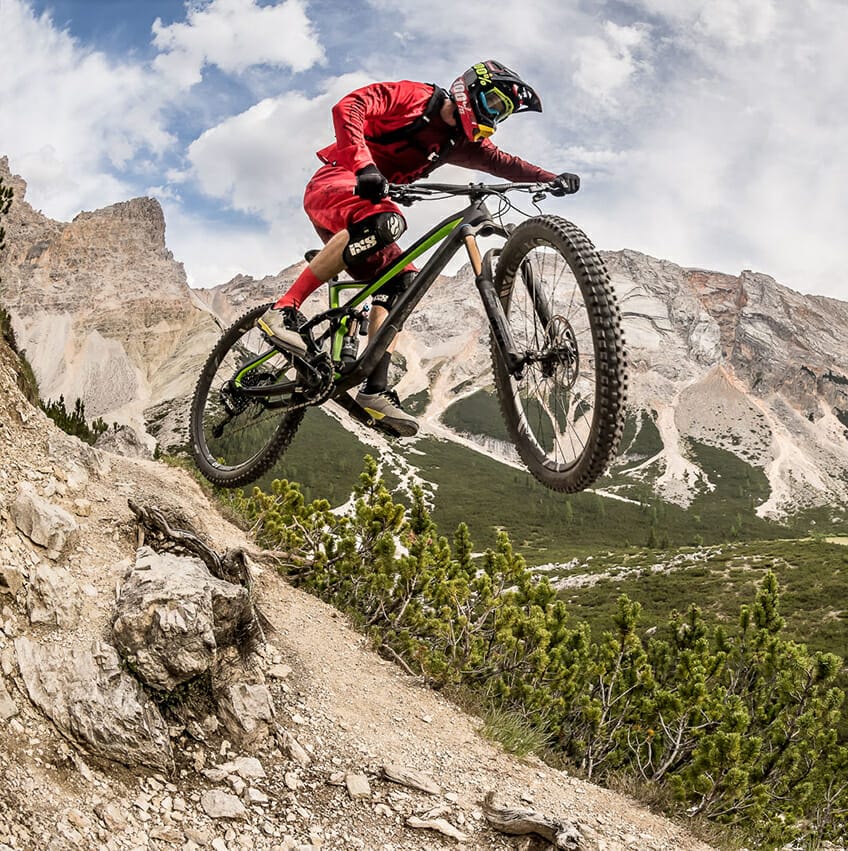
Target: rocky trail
x,y
319,744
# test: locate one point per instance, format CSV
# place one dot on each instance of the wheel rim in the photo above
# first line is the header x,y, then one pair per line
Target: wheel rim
x,y
235,428
555,399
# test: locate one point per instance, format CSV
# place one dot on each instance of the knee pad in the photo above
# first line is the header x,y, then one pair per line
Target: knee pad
x,y
388,294
371,235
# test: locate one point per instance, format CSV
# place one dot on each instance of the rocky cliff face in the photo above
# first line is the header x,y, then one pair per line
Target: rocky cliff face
x,y
736,362
743,364
101,307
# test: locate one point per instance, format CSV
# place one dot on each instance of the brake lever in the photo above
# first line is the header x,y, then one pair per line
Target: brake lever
x,y
401,196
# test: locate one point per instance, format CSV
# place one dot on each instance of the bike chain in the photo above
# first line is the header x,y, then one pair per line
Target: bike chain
x,y
323,363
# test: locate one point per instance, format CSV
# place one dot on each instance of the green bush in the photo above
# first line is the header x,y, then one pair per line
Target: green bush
x,y
738,725
25,377
74,422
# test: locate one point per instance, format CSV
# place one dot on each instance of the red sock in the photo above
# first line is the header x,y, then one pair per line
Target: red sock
x,y
300,290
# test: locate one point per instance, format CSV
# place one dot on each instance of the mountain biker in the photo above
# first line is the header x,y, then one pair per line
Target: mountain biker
x,y
398,132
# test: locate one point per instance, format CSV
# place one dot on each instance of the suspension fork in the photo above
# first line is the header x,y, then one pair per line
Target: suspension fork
x,y
484,280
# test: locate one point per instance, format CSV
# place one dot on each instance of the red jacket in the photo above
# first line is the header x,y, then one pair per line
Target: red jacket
x,y
381,107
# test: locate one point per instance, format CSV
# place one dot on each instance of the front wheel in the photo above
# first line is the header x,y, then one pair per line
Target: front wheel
x,y
565,410
236,437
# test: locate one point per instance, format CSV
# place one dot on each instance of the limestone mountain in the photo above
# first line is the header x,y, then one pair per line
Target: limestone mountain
x,y
744,364
738,363
101,307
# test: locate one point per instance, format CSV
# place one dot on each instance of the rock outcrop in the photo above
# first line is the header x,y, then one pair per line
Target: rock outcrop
x,y
743,364
94,702
101,307
173,616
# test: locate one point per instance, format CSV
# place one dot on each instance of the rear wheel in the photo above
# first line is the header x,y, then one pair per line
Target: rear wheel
x,y
236,437
565,412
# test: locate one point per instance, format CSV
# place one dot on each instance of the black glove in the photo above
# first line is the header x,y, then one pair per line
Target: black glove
x,y
371,185
565,184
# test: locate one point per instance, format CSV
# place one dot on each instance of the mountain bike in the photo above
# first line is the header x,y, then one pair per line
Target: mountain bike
x,y
556,343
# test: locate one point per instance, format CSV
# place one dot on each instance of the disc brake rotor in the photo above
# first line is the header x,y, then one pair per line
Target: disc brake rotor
x,y
561,356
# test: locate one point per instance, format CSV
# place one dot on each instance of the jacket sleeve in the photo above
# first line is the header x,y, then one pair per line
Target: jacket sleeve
x,y
486,156
353,110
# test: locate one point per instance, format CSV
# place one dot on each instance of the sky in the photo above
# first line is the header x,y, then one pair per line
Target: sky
x,y
711,133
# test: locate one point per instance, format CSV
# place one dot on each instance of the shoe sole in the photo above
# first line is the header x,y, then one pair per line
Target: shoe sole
x,y
403,428
297,347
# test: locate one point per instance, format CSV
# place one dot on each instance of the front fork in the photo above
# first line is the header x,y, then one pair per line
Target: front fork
x,y
484,279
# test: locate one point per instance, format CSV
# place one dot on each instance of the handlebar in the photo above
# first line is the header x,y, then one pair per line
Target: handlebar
x,y
409,194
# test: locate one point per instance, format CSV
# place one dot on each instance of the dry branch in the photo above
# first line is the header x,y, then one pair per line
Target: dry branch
x,y
520,822
411,779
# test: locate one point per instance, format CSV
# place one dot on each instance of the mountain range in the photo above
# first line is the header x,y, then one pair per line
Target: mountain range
x,y
736,363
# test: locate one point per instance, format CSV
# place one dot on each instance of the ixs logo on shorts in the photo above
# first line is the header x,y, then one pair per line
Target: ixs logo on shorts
x,y
361,245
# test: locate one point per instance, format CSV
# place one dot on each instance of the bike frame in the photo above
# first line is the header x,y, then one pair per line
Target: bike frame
x,y
450,235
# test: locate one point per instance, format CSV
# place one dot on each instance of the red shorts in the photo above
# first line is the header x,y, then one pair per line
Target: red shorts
x,y
331,206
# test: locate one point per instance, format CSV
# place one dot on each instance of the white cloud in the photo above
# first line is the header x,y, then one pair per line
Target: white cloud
x,y
234,35
447,37
737,23
607,62
215,252
70,113
709,132
255,163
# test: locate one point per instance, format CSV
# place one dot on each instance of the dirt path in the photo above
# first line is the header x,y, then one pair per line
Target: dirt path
x,y
350,710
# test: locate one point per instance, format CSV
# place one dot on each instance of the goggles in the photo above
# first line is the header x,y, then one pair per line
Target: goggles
x,y
495,105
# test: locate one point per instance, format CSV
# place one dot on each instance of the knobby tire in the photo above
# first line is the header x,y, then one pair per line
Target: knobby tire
x,y
216,471
552,236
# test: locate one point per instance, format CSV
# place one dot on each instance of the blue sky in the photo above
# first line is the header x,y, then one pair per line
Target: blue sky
x,y
710,133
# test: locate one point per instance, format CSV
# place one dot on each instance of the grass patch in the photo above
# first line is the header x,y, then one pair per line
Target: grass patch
x,y
324,458
479,414
813,578
513,731
417,403
642,437
549,527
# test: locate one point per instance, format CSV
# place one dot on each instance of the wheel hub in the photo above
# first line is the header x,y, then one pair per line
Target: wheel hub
x,y
560,354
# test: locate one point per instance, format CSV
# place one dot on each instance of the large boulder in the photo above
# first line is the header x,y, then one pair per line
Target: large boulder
x,y
44,523
94,702
123,440
173,615
243,701
53,597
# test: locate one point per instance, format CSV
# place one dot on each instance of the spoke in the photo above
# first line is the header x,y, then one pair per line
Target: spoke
x,y
235,436
556,397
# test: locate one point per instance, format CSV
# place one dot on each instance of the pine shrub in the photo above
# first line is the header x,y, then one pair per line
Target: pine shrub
x,y
739,726
74,422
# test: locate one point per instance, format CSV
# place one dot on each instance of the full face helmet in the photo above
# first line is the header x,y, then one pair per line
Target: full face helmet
x,y
487,93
